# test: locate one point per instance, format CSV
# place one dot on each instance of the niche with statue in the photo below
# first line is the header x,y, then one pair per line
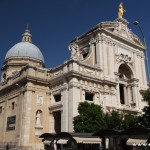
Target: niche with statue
x,y
38,123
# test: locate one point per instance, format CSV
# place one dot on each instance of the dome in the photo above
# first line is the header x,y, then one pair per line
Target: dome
x,y
25,49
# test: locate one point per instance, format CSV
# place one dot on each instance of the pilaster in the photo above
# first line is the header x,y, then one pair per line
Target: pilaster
x,y
65,108
99,51
26,118
143,71
73,102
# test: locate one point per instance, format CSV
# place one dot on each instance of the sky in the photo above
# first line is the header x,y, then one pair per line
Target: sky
x,y
55,23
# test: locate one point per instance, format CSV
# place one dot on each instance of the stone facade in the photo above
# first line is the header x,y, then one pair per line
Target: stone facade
x,y
106,67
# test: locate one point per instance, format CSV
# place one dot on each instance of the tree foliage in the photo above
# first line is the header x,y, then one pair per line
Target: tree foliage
x,y
129,121
119,121
145,118
91,118
114,120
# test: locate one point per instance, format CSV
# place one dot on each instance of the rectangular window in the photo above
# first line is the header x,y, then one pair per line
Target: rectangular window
x,y
1,108
11,121
122,100
57,97
89,96
12,105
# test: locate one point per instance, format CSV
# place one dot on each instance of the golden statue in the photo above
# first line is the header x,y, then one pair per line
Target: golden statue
x,y
121,10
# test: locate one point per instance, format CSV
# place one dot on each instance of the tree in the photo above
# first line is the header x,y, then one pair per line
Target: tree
x,y
129,121
90,118
119,121
114,120
145,118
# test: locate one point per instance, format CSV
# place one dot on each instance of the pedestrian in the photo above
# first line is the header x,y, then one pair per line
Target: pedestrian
x,y
7,146
52,146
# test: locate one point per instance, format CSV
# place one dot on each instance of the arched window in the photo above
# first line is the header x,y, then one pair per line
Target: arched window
x,y
125,72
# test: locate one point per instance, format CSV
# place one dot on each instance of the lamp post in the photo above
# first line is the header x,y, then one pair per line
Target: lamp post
x,y
138,25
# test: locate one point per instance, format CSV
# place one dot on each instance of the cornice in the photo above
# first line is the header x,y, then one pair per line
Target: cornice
x,y
55,107
108,27
82,76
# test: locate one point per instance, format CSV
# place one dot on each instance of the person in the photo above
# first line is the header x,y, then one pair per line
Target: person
x,y
55,145
7,146
121,10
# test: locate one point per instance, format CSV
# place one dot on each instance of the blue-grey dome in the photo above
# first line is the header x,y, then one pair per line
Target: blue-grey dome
x,y
25,49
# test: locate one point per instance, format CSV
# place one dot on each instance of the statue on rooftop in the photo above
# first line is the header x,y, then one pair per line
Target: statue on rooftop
x,y
73,48
121,10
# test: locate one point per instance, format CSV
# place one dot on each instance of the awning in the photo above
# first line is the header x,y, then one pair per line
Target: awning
x,y
47,142
137,140
62,141
78,140
94,140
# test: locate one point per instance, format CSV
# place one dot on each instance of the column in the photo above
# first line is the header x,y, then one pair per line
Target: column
x,y
26,117
144,71
139,69
135,61
135,94
51,123
96,98
108,58
19,115
99,52
125,94
105,65
65,109
73,102
118,94
129,93
112,59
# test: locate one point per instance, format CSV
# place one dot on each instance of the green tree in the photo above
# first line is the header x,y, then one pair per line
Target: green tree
x,y
90,118
119,121
114,120
145,118
129,121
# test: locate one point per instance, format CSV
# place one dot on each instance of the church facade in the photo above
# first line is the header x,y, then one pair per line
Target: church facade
x,y
106,67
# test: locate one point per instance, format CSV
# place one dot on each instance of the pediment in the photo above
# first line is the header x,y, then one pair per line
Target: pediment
x,y
120,28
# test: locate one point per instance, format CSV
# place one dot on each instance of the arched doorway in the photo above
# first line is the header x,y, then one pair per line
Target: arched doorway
x,y
126,86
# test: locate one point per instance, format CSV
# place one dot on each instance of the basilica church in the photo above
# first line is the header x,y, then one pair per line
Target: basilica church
x,y
106,67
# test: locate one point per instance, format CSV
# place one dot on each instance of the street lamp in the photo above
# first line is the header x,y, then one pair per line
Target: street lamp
x,y
138,25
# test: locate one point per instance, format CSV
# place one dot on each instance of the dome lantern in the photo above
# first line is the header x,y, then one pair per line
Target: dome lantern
x,y
26,36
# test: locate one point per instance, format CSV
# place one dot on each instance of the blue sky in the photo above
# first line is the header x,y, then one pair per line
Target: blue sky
x,y
54,23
